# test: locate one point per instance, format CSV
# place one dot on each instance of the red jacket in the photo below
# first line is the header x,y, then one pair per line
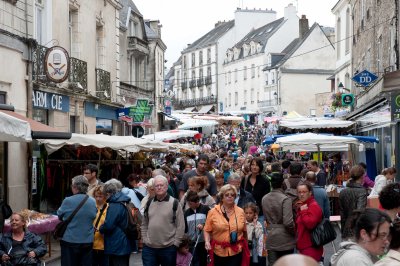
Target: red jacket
x,y
306,221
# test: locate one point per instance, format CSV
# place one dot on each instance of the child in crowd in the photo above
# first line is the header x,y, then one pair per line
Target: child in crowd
x,y
183,256
255,235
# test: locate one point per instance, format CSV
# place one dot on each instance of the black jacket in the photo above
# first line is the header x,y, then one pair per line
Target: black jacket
x,y
31,242
353,197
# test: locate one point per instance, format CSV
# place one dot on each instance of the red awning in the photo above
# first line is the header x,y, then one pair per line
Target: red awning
x,y
40,130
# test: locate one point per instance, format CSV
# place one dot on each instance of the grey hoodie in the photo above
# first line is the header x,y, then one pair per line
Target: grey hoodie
x,y
351,253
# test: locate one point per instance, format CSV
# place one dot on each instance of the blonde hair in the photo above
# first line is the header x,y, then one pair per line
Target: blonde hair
x,y
226,188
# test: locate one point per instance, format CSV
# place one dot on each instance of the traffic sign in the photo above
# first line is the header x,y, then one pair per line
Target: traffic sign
x,y
364,78
395,108
137,131
347,99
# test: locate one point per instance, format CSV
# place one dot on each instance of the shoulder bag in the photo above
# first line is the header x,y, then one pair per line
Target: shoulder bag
x,y
323,233
62,226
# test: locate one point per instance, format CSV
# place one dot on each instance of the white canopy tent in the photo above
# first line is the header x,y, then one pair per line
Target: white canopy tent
x,y
315,142
127,143
170,135
13,129
314,122
194,123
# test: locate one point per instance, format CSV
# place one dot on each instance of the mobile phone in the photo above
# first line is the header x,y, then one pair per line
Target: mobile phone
x,y
208,259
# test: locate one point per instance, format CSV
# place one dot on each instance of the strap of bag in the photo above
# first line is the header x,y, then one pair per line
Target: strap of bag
x,y
101,213
76,210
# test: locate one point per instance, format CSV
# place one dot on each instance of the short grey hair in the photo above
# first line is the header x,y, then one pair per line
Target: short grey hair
x,y
158,172
112,186
233,177
162,178
80,183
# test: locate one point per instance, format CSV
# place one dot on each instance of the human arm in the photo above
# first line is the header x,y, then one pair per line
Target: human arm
x,y
37,247
287,215
310,215
180,226
207,239
326,207
114,211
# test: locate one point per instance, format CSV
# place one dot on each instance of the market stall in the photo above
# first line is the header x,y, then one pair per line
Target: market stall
x,y
126,143
170,135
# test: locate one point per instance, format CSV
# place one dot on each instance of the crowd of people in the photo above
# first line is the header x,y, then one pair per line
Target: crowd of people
x,y
236,202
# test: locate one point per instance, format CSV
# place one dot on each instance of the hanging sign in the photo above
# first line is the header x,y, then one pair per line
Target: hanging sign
x,y
56,64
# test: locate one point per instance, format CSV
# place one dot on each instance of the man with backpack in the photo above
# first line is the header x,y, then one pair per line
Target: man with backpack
x,y
163,226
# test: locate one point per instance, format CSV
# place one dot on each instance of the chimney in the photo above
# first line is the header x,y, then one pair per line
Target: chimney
x,y
303,26
290,11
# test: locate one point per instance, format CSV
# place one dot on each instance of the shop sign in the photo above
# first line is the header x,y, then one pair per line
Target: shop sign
x,y
56,64
395,107
141,109
50,101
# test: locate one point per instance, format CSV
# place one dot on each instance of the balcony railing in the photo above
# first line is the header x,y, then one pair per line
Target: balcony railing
x,y
138,46
267,103
38,55
78,72
103,83
197,101
192,83
208,80
200,82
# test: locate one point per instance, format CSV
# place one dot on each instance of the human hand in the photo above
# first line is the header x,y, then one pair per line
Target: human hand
x,y
207,245
200,227
5,257
31,254
255,219
303,207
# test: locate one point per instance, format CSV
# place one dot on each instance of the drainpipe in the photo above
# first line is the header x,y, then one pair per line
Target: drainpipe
x,y
396,41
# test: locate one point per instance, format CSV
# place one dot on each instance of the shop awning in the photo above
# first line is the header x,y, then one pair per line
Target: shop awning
x,y
195,123
36,129
171,117
314,122
13,129
170,135
127,143
205,109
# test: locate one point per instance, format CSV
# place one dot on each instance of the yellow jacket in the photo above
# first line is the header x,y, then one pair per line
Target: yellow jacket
x,y
98,242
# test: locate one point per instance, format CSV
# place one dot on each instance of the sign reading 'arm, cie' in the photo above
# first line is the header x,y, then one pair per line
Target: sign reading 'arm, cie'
x,y
50,101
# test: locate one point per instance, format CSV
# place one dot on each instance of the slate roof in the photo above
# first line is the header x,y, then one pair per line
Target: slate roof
x,y
211,37
123,13
262,34
292,47
150,33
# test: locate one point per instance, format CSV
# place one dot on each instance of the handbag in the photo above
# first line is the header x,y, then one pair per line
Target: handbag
x,y
323,233
62,226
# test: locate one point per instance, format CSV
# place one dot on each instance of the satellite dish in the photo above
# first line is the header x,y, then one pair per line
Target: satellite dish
x,y
106,94
123,99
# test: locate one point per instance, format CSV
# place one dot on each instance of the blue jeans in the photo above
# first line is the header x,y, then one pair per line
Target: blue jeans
x,y
159,256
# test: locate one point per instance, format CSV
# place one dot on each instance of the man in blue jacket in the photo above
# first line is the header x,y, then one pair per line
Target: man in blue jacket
x,y
320,195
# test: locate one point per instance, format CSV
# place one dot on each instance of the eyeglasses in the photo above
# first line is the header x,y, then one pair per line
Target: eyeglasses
x,y
229,195
159,186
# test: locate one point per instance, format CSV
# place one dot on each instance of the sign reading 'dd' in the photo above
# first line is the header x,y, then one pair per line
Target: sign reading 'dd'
x,y
51,101
56,64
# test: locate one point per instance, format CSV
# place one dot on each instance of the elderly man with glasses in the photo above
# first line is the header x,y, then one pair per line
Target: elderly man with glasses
x,y
163,226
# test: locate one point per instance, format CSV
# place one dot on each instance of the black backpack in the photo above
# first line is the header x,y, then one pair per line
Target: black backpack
x,y
138,194
132,230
